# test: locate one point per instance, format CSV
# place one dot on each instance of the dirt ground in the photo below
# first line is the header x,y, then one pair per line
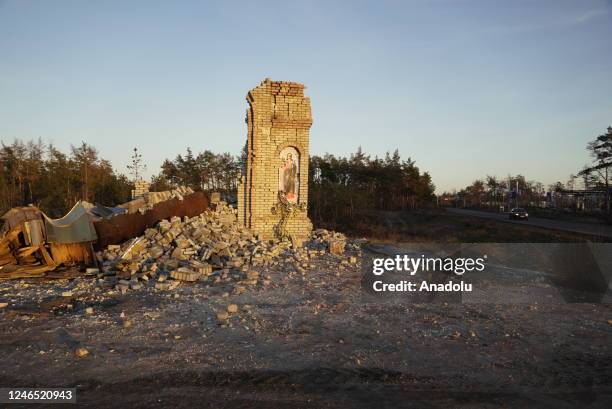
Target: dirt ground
x,y
304,340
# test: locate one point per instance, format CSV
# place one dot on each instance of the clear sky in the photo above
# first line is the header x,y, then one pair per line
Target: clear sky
x,y
465,88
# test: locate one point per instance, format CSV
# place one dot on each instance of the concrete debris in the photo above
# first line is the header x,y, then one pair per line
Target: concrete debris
x,y
162,285
333,242
184,274
135,285
337,246
215,197
213,247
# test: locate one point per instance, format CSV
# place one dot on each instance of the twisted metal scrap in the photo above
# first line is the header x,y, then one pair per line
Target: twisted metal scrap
x,y
286,210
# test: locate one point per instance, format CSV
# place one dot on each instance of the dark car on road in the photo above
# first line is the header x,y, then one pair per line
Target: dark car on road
x,y
519,213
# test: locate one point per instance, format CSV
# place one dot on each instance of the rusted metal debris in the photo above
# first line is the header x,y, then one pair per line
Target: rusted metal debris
x,y
120,228
32,245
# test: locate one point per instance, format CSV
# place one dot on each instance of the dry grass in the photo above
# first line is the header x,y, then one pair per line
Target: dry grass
x,y
439,226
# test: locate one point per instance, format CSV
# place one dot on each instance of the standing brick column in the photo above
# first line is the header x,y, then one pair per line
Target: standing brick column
x,y
140,188
278,120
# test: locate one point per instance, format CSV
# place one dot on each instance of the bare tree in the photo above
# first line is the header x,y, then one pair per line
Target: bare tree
x,y
137,168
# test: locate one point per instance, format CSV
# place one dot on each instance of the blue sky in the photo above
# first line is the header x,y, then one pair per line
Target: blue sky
x,y
465,88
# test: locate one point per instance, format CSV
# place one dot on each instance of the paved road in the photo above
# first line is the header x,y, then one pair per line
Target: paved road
x,y
603,230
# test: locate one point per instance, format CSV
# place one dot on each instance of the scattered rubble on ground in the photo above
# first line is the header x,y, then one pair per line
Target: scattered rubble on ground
x,y
211,247
209,256
32,245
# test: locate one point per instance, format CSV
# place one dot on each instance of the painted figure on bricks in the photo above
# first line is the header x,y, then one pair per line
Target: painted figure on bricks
x,y
288,181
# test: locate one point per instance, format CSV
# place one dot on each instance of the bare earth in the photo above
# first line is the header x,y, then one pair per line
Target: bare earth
x,y
309,340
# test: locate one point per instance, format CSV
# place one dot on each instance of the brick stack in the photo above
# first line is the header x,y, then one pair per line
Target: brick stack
x,y
140,188
215,197
278,116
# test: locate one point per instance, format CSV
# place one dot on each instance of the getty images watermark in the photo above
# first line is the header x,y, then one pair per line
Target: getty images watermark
x,y
420,271
508,273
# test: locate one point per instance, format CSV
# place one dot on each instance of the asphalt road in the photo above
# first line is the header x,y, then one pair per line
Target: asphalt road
x,y
602,230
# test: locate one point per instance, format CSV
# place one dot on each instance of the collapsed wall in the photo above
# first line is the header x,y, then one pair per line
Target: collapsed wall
x,y
146,211
212,247
278,120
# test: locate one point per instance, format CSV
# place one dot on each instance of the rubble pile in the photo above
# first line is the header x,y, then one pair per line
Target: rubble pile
x,y
210,246
334,242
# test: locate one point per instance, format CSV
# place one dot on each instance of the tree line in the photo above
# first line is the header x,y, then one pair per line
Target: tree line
x,y
40,174
491,191
339,188
206,171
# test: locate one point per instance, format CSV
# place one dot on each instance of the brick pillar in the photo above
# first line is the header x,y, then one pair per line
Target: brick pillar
x,y
140,188
278,120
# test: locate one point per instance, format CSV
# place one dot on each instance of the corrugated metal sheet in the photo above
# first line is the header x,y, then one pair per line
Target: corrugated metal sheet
x,y
75,227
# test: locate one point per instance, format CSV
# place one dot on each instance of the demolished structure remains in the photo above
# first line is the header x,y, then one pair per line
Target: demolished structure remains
x,y
32,244
273,192
212,246
162,238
